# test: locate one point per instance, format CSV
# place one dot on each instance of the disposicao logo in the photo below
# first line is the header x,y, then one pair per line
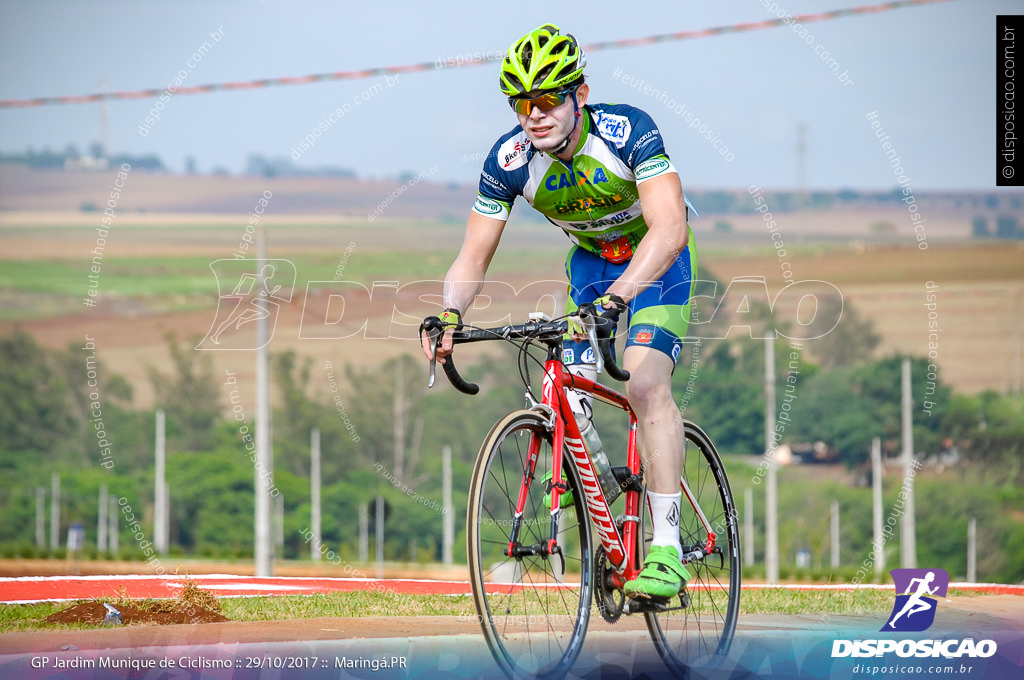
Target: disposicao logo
x,y
913,612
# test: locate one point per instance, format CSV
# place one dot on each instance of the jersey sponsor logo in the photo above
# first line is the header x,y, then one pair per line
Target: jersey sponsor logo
x,y
588,356
651,168
645,139
487,207
610,220
568,355
512,154
616,129
641,143
675,350
564,181
644,337
580,204
610,235
487,177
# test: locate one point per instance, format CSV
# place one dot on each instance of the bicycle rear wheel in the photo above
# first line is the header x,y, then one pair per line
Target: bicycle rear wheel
x,y
534,612
700,623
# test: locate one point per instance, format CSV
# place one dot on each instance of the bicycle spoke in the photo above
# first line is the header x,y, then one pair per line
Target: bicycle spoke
x,y
535,606
690,635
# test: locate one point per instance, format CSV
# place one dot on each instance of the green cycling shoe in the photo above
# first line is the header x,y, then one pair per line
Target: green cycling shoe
x,y
565,500
663,575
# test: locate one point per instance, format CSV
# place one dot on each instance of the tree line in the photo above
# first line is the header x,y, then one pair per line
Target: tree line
x,y
381,431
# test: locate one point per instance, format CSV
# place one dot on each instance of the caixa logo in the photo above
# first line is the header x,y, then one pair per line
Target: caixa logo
x,y
913,612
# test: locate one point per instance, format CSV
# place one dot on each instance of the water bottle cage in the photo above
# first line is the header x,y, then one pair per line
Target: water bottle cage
x,y
549,485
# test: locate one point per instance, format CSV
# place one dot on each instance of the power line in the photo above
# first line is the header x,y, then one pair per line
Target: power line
x,y
442,64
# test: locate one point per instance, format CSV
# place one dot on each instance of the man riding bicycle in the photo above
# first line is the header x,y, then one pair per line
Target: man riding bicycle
x,y
601,173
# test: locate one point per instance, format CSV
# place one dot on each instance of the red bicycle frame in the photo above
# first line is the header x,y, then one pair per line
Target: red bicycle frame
x,y
567,434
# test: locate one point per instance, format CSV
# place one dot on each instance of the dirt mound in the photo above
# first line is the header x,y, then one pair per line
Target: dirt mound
x,y
95,613
193,605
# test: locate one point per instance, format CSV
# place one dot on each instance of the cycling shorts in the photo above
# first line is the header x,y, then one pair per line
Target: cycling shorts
x,y
658,317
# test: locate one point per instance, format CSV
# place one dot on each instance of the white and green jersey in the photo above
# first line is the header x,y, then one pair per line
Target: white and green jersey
x,y
594,197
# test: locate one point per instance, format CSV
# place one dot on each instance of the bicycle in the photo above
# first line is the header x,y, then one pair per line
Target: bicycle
x,y
534,568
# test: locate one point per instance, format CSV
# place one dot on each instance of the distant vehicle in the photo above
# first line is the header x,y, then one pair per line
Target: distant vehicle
x,y
816,452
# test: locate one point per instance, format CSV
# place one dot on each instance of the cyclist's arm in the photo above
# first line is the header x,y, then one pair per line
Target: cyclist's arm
x,y
465,278
664,212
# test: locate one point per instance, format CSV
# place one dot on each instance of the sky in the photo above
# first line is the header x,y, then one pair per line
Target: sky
x,y
927,72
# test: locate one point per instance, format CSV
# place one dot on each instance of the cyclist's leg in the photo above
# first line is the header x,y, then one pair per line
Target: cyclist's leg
x,y
589,276
658,323
661,440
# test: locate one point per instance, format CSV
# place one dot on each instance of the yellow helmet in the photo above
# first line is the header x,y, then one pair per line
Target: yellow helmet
x,y
543,59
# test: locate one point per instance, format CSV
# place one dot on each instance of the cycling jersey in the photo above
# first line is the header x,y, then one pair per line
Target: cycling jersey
x,y
594,197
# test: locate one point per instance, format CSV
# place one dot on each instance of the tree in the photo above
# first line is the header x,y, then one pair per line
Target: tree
x,y
847,407
190,397
298,413
35,417
851,342
989,430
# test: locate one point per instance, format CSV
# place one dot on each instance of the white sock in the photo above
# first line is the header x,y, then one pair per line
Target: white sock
x,y
665,517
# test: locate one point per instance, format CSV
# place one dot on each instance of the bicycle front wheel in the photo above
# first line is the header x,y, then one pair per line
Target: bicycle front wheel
x,y
534,608
699,624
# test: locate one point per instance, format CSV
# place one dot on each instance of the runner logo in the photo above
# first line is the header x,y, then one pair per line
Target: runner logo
x,y
914,611
254,294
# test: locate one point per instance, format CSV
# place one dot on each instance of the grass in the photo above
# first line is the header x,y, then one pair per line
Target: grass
x,y
139,277
24,617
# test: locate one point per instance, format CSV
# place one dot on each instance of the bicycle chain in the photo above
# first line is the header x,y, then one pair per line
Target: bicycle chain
x,y
608,604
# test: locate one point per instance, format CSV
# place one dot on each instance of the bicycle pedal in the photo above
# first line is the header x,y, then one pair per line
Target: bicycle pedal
x,y
641,604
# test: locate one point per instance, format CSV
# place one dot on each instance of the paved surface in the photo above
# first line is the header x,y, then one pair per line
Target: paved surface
x,y
775,646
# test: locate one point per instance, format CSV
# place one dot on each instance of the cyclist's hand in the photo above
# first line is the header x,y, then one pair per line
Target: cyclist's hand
x,y
605,311
449,322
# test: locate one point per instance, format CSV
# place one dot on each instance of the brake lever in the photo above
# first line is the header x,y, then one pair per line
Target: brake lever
x,y
435,341
590,325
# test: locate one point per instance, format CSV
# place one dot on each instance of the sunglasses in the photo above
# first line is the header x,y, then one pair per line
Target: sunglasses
x,y
544,102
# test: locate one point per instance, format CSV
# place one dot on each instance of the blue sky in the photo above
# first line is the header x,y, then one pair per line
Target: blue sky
x,y
928,72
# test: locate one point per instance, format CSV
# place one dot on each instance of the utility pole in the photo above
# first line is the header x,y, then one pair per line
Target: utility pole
x,y
114,528
314,491
104,138
54,511
279,523
908,539
876,505
161,520
801,160
448,517
364,533
748,527
264,530
771,547
380,536
101,522
972,550
40,517
398,419
835,534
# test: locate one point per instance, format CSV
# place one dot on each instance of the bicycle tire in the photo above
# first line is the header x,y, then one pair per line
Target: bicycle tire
x,y
698,636
534,616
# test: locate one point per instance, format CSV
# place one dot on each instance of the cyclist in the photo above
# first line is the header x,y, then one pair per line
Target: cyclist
x,y
601,173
